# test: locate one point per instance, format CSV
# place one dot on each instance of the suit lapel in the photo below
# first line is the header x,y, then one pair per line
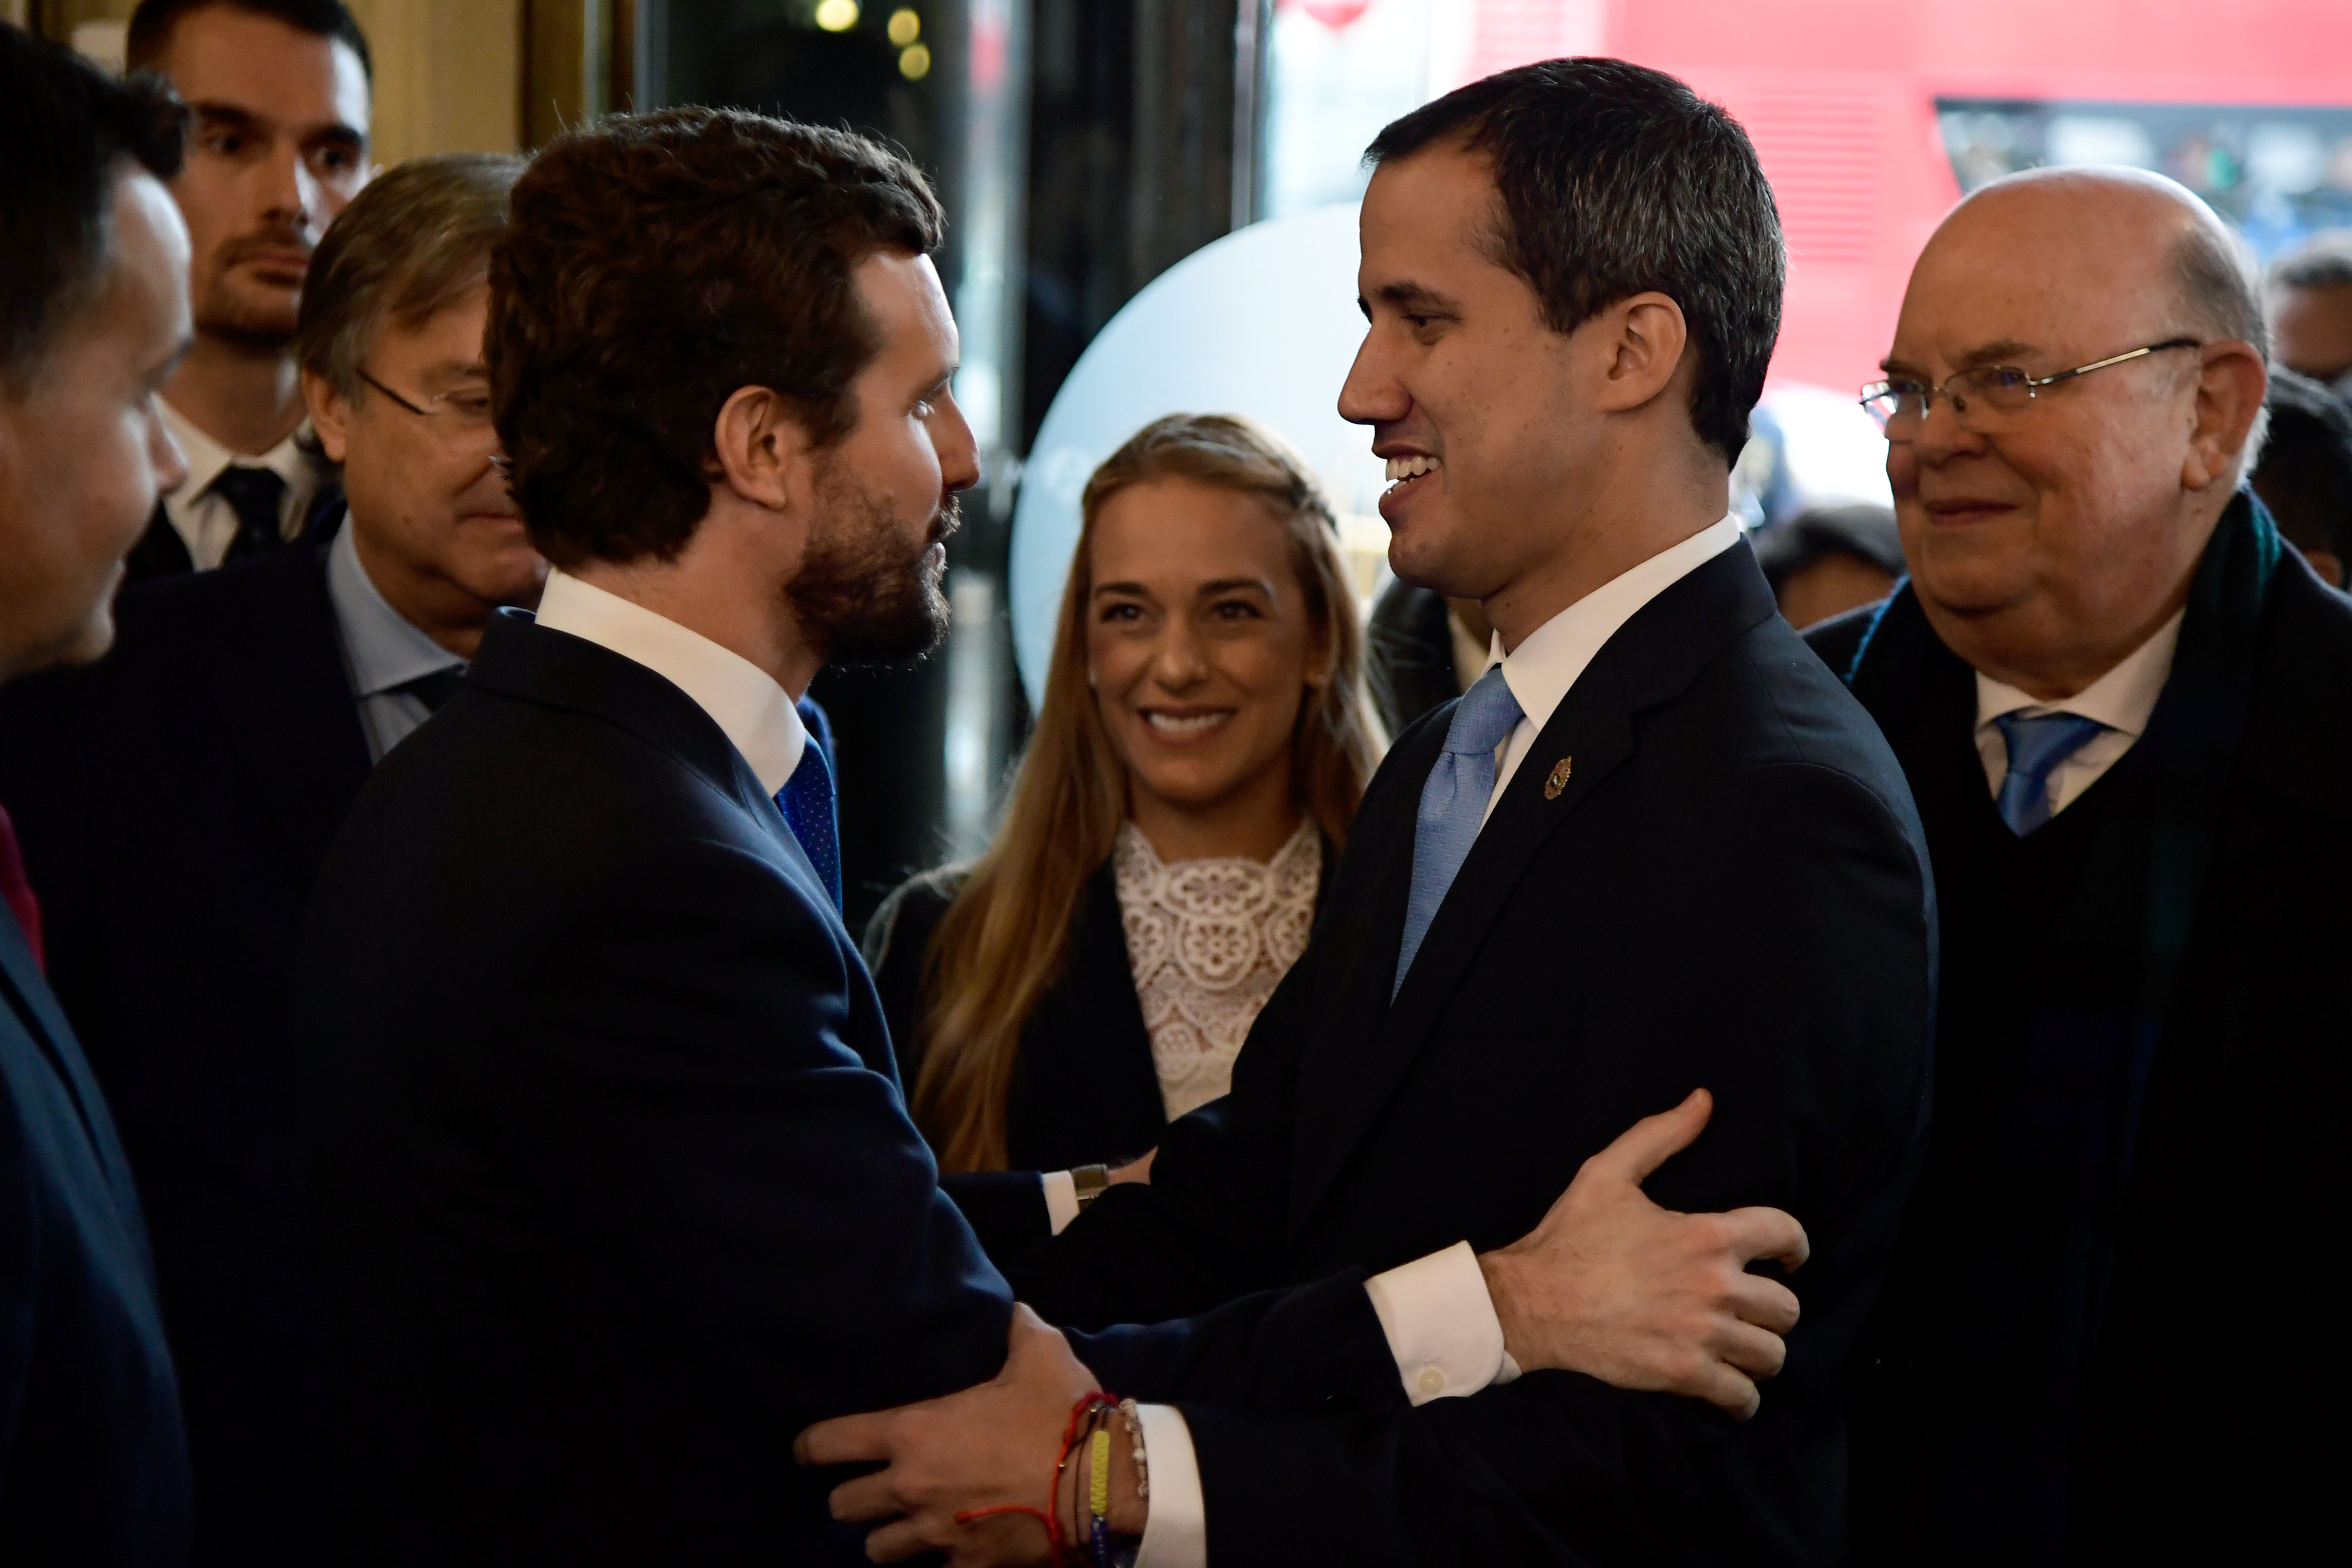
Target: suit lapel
x,y
1348,1079
28,996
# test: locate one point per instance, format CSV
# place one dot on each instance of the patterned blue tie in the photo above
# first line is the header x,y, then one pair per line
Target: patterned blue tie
x,y
1454,804
2036,748
806,800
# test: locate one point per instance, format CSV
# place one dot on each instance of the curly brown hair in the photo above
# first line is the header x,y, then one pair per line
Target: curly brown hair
x,y
657,264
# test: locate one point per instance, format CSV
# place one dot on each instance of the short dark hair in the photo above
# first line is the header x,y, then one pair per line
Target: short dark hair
x,y
2322,261
1616,180
1860,530
656,265
152,24
68,128
411,244
2304,474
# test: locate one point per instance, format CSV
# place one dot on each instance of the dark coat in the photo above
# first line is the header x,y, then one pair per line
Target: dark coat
x,y
618,1187
2201,1432
1408,644
175,801
93,1471
1725,887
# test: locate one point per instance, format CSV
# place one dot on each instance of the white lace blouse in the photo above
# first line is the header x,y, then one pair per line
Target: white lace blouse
x,y
1208,940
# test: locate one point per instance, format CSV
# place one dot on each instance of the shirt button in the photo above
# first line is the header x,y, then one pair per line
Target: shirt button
x,y
1431,1382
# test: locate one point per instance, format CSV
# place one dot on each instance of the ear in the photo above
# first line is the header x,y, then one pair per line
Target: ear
x,y
763,451
2231,384
1641,339
330,416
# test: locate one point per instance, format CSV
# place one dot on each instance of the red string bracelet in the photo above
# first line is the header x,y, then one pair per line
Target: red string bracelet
x,y
1050,1513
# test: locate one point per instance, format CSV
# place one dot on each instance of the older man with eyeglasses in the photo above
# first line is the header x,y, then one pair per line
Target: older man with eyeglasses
x,y
176,800
2097,1339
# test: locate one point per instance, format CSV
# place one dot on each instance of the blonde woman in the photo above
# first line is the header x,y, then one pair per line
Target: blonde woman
x,y
1205,739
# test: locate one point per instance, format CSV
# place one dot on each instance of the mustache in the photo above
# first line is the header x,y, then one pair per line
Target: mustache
x,y
945,521
246,245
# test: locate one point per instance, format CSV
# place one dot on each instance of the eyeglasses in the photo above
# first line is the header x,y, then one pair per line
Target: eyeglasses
x,y
1987,400
462,416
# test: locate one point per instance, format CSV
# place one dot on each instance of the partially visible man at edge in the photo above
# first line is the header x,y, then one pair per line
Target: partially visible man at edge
x,y
2125,711
93,316
280,92
172,932
614,1168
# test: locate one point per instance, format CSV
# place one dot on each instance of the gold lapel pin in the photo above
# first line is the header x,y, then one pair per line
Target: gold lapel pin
x,y
1558,779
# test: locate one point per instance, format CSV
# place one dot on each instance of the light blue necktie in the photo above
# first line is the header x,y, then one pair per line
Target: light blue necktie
x,y
1454,804
2036,747
806,800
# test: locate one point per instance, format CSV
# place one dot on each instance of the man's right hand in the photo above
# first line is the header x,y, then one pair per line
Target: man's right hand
x,y
1613,1286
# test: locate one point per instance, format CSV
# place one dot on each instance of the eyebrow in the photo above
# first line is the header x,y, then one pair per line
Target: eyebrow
x,y
2007,351
215,115
1409,298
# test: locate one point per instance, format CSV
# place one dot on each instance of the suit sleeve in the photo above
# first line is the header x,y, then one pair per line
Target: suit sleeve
x,y
1806,1010
695,1104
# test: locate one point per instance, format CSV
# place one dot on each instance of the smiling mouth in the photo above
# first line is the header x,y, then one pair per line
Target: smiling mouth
x,y
1403,471
1182,726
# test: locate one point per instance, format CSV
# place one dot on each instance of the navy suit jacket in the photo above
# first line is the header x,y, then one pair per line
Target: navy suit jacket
x,y
1708,872
615,1181
175,801
93,1470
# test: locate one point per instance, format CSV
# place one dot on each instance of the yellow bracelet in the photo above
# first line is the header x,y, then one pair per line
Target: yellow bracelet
x,y
1098,1465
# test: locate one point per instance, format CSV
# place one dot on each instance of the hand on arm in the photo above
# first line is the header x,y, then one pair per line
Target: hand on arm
x,y
989,1449
1641,1297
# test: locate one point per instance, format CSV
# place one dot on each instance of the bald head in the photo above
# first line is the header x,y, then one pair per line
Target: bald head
x,y
2050,540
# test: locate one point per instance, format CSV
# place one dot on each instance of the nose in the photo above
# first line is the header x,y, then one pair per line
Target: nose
x,y
1940,434
293,195
1372,395
171,464
1177,663
959,451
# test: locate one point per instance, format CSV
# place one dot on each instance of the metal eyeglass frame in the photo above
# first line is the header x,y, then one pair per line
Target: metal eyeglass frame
x,y
1877,390
421,413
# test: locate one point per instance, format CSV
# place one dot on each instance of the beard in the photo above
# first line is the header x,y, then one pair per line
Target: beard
x,y
862,595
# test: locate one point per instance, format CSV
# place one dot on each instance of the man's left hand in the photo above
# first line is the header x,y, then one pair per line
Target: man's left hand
x,y
993,1446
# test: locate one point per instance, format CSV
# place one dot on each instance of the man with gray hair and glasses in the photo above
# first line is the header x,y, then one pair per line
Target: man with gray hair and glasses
x,y
2126,712
174,842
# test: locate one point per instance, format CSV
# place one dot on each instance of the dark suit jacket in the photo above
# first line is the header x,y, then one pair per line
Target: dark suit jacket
x,y
92,1467
1409,641
617,1187
1728,890
175,801
2203,1438
162,552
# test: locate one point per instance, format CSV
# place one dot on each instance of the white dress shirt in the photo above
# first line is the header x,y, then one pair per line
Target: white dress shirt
x,y
383,650
2122,700
744,700
204,521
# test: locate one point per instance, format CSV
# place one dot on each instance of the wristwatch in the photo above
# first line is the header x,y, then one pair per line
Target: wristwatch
x,y
1091,1180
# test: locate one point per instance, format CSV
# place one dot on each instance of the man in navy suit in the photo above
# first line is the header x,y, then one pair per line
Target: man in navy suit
x,y
614,1177
93,316
258,697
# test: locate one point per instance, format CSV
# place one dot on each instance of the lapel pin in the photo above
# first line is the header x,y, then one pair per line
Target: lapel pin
x,y
1558,779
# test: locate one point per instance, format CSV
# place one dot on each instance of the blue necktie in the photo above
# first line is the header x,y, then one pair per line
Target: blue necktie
x,y
1453,805
806,800
2036,747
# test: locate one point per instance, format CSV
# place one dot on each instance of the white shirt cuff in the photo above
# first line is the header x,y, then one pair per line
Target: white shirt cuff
x,y
1440,1325
1176,1530
1061,1199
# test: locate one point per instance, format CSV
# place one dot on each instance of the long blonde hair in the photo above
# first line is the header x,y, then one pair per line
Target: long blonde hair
x,y
1001,944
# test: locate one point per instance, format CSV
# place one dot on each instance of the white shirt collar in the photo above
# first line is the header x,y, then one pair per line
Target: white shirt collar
x,y
742,698
2122,700
1549,659
207,458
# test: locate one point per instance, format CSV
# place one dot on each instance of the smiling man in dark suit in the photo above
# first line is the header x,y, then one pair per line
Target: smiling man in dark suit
x,y
176,799
1655,847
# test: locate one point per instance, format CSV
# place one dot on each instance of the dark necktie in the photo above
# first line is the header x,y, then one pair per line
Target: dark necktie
x,y
16,892
255,495
435,689
806,800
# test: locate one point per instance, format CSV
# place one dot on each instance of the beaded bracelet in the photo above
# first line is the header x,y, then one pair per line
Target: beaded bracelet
x,y
1133,1417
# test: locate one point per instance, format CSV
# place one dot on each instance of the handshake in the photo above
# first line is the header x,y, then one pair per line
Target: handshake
x,y
1609,1285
